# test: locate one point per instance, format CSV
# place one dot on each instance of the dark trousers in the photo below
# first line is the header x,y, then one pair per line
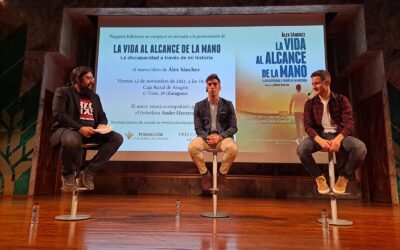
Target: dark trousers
x,y
350,155
71,150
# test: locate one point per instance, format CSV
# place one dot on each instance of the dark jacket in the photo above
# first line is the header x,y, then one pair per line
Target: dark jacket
x,y
226,118
66,112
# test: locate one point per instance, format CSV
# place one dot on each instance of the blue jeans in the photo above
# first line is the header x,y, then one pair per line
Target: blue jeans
x,y
350,155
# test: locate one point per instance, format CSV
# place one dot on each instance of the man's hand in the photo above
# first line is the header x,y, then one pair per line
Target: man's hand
x,y
325,144
213,139
87,131
335,143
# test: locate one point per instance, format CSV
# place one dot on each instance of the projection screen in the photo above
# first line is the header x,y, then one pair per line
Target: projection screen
x,y
151,71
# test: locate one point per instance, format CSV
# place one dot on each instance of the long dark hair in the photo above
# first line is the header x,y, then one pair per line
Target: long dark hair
x,y
77,73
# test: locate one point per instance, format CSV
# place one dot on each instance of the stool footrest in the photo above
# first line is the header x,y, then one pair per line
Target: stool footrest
x,y
331,193
69,217
338,222
216,215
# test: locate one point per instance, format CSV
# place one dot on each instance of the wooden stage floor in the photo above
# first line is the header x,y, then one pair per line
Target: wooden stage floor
x,y
149,222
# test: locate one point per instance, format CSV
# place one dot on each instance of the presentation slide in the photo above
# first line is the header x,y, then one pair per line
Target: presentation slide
x,y
149,79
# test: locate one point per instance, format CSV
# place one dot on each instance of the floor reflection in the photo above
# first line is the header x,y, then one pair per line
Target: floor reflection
x,y
216,242
71,234
32,234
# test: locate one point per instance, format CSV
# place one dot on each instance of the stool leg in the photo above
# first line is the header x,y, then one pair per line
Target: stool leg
x,y
214,190
331,183
334,209
75,192
74,207
74,203
334,220
331,170
215,184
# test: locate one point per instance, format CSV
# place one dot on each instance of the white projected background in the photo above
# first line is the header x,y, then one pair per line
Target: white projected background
x,y
149,79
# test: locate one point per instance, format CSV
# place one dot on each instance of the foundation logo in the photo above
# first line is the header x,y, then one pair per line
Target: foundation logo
x,y
129,135
152,134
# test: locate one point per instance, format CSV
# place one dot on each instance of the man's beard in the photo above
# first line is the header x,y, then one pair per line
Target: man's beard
x,y
86,88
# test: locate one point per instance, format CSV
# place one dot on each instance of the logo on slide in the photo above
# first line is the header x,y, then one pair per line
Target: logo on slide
x,y
129,135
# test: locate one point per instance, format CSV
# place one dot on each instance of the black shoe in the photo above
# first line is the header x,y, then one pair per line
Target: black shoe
x,y
206,181
68,183
221,181
87,180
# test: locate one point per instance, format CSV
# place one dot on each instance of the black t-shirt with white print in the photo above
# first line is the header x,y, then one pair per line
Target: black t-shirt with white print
x,y
86,110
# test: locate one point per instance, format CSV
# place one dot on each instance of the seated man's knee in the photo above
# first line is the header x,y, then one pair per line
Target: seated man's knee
x,y
118,139
300,149
355,146
233,148
303,149
362,149
193,148
71,140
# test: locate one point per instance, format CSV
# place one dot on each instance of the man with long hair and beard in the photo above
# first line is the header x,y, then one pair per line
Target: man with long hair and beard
x,y
78,116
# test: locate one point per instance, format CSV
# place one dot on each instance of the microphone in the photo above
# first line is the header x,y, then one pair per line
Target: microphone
x,y
309,93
